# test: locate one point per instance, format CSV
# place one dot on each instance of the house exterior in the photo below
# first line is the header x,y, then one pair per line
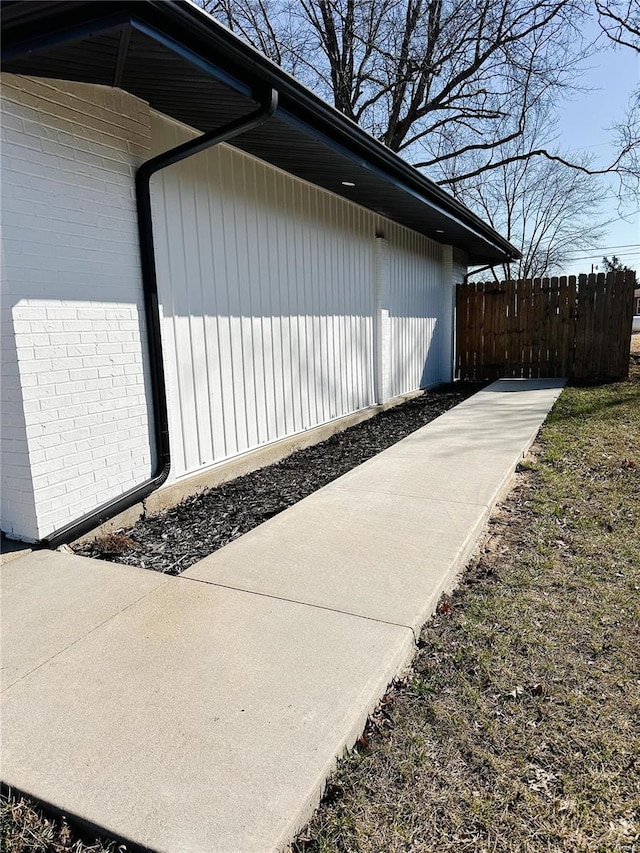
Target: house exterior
x,y
163,314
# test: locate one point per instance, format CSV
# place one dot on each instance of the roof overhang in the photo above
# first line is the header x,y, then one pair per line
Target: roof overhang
x,y
184,64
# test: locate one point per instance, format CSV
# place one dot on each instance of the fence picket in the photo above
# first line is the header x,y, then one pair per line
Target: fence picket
x,y
602,307
626,284
564,322
579,329
554,328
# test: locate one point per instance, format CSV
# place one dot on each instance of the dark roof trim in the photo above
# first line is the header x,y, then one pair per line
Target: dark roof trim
x,y
188,31
13,11
403,185
307,108
195,58
319,114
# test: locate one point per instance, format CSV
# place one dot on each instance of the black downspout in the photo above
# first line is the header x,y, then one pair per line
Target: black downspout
x,y
466,276
144,174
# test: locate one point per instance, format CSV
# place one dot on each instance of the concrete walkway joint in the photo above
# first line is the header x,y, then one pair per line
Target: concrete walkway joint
x,y
205,717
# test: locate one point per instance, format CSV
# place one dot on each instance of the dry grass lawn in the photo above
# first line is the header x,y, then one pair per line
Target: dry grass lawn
x,y
518,727
24,828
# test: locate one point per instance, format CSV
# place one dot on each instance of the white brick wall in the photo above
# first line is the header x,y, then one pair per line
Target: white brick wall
x,y
75,409
75,389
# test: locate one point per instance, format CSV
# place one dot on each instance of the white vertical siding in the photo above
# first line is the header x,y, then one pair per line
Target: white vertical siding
x,y
415,305
271,294
266,290
460,264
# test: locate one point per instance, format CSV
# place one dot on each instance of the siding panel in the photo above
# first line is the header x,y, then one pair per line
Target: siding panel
x,y
267,296
266,291
415,306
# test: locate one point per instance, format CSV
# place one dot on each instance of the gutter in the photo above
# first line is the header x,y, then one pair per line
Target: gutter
x,y
467,275
304,107
185,27
268,105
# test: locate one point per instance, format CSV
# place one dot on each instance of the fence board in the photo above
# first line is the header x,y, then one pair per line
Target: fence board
x,y
603,297
565,305
523,312
554,328
580,329
625,323
586,297
536,310
613,356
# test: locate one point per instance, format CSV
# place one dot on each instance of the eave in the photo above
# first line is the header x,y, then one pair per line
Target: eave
x,y
187,66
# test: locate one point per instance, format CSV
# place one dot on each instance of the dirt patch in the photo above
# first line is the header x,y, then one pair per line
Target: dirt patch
x,y
176,539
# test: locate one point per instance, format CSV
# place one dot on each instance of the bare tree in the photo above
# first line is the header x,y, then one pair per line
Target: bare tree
x,y
435,80
457,87
542,206
268,25
620,21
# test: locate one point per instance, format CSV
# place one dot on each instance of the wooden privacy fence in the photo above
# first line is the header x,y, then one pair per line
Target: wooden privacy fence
x,y
576,327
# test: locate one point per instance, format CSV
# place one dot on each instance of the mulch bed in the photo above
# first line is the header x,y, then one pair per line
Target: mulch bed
x,y
178,538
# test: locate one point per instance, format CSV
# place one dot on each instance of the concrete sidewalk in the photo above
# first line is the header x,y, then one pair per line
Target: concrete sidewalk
x,y
204,712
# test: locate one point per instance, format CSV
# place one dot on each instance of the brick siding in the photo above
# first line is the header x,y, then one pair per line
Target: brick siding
x,y
75,413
